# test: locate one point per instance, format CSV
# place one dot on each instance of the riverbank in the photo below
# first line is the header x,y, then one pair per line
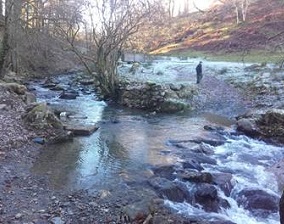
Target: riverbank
x,y
35,200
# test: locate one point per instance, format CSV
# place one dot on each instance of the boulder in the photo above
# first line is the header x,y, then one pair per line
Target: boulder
x,y
14,87
247,126
69,95
29,98
81,130
4,106
176,87
49,83
41,117
173,105
138,212
59,87
201,158
267,125
206,195
60,137
224,181
165,172
258,201
192,164
87,81
198,177
168,189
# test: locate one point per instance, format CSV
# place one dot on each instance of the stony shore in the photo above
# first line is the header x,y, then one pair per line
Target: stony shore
x,y
27,198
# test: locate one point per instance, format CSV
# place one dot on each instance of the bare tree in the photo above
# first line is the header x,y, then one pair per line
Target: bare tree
x,y
9,55
171,8
241,7
115,22
33,29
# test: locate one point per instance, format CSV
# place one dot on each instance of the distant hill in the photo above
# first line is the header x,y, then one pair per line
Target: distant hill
x,y
216,30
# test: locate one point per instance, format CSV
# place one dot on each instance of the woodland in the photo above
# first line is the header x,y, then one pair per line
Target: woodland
x,y
41,37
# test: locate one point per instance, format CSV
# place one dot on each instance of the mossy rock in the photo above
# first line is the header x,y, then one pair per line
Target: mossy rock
x,y
40,116
14,87
171,106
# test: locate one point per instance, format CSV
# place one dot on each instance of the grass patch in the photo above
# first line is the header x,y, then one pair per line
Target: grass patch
x,y
262,57
251,57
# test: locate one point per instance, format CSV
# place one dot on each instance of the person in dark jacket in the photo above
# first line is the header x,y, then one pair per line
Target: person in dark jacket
x,y
199,72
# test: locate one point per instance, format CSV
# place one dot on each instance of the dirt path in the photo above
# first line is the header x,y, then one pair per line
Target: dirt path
x,y
217,96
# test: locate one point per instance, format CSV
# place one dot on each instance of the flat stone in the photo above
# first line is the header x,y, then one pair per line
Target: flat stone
x,y
3,106
87,81
83,130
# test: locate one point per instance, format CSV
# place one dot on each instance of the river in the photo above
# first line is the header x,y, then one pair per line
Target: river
x,y
129,143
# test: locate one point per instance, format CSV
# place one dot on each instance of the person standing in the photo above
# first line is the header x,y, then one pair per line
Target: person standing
x,y
199,72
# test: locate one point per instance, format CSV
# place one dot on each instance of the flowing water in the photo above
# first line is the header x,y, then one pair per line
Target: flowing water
x,y
247,160
129,143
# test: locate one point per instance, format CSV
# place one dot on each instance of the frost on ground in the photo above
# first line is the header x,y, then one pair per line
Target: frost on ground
x,y
214,94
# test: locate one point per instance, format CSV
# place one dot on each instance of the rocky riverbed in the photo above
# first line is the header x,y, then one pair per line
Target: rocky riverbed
x,y
30,198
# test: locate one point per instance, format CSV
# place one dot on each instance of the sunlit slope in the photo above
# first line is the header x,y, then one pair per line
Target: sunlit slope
x,y
217,31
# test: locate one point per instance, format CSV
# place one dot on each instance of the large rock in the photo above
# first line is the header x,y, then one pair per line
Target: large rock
x,y
206,195
168,189
138,212
69,94
165,172
271,124
197,177
224,181
29,98
192,164
268,125
81,130
258,201
248,126
14,87
41,117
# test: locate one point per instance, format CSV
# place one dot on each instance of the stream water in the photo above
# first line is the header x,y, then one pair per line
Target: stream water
x,y
129,142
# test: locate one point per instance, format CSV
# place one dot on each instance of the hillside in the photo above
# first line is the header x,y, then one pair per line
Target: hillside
x,y
217,31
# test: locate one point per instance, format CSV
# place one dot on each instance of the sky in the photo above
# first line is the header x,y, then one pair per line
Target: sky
x,y
201,4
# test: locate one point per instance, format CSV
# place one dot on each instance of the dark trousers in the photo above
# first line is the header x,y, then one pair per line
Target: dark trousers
x,y
199,77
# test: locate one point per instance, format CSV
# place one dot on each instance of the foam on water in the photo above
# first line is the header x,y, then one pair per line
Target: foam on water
x,y
247,160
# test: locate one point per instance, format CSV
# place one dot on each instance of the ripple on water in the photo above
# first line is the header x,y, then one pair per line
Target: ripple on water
x,y
128,142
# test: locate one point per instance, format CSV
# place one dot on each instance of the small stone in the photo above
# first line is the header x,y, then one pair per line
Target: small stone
x,y
94,204
18,216
56,220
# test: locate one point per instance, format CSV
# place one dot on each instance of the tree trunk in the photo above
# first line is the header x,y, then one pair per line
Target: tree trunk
x,y
107,72
5,49
9,54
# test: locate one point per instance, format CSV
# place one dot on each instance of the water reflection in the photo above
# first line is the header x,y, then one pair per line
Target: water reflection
x,y
117,151
127,143
58,161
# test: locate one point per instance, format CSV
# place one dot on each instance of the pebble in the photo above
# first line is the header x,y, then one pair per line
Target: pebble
x,y
18,216
56,220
